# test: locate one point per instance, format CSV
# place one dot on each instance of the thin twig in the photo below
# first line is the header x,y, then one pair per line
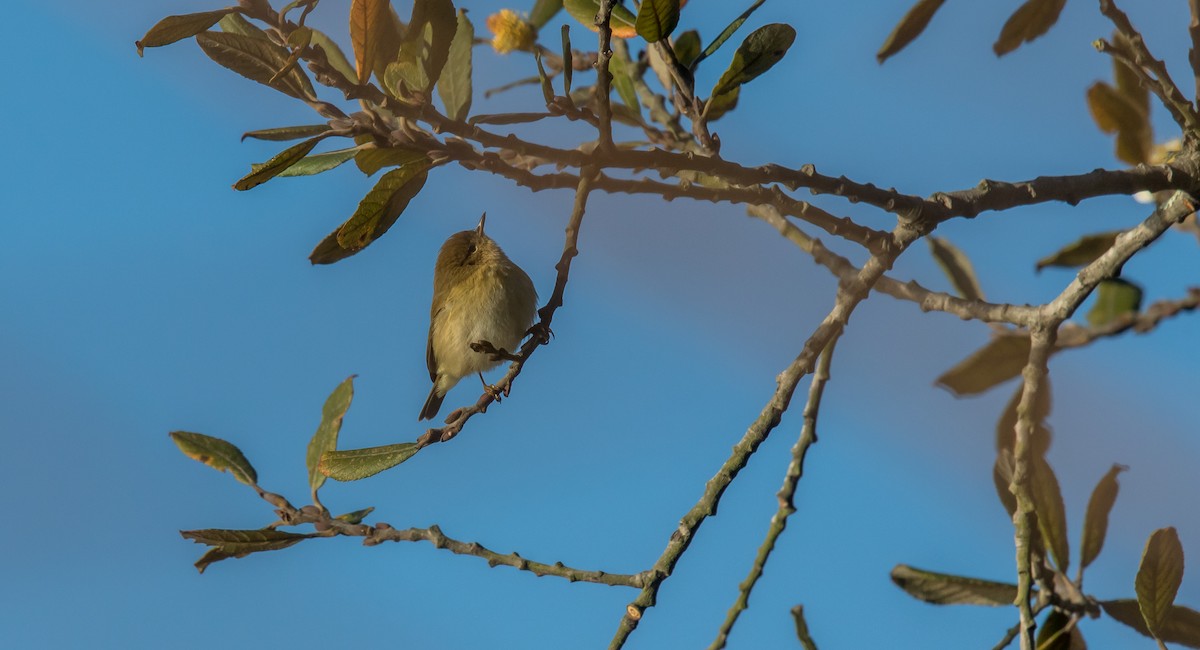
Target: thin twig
x,y
806,640
786,495
603,76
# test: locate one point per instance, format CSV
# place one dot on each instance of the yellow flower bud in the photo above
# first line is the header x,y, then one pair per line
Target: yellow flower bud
x,y
510,32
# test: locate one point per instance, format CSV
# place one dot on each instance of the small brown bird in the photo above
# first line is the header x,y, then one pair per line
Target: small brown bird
x,y
478,295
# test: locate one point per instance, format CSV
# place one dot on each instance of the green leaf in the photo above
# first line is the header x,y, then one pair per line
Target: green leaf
x,y
376,213
240,543
622,82
356,464
947,589
1095,522
1028,22
1051,512
235,24
217,454
909,28
333,53
761,50
622,21
1182,624
722,104
1000,360
176,28
283,133
326,436
258,60
319,162
1006,427
729,31
656,19
355,517
1117,112
957,267
543,11
1115,298
544,79
1082,252
509,118
568,62
439,17
264,172
1158,578
373,159
687,47
454,87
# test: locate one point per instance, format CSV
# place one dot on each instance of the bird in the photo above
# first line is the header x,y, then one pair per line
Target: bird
x,y
478,295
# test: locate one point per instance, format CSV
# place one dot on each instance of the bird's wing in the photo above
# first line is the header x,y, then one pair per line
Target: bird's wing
x,y
430,359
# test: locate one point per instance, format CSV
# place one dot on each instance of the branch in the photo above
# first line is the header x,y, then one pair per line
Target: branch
x,y
850,294
802,634
603,76
1071,335
1161,84
786,497
540,331
1194,51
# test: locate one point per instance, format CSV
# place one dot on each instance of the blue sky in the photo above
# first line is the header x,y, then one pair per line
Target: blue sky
x,y
143,295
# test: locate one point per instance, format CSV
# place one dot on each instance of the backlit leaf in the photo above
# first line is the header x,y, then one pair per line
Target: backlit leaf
x,y
256,59
1116,112
373,159
1030,21
355,464
273,167
1115,297
622,21
687,47
656,19
946,589
217,454
1182,624
442,20
176,28
1158,578
335,56
957,267
319,162
726,33
355,517
761,50
1095,522
369,26
234,23
1000,360
454,86
622,82
909,28
1082,252
326,436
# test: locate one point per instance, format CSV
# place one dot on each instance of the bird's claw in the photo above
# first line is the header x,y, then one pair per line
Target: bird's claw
x,y
541,332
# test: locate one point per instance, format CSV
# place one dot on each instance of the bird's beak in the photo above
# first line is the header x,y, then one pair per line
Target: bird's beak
x,y
479,228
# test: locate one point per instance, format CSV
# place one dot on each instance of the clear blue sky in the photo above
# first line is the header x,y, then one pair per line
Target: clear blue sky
x,y
141,295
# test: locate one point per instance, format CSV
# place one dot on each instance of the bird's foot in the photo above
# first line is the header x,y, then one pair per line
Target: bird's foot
x,y
541,332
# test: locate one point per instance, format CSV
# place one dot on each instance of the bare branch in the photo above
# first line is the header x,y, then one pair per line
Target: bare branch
x,y
603,76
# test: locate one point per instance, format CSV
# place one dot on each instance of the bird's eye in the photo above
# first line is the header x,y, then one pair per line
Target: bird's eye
x,y
471,250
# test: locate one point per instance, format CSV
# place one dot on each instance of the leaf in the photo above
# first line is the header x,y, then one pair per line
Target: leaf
x,y
1115,297
1095,522
217,454
369,26
1159,577
235,24
543,11
761,50
568,62
656,19
239,543
380,208
256,59
1082,252
356,464
405,75
319,162
622,21
909,28
1002,471
176,28
1006,426
355,517
442,20
283,133
326,436
957,267
687,47
335,56
1000,360
1051,634
273,167
1028,22
722,104
454,86
729,31
1051,512
1182,624
371,160
622,82
544,79
509,118
946,589
1116,112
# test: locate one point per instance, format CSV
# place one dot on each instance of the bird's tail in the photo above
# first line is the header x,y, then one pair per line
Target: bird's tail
x,y
431,405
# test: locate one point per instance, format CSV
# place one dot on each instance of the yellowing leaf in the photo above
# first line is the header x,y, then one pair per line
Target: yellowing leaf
x,y
1000,360
326,436
622,22
369,23
1082,252
947,589
1117,112
909,28
1030,21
